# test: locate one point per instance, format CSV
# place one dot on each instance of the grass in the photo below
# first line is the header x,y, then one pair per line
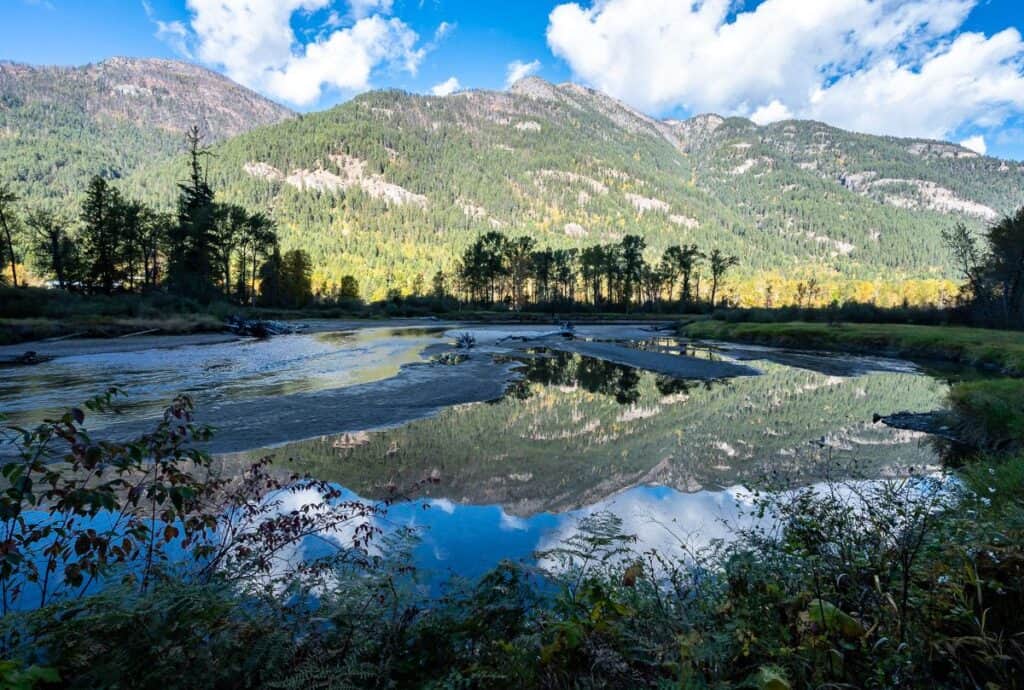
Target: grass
x,y
13,331
1002,351
990,413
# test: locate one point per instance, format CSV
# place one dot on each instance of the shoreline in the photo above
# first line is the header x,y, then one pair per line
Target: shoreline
x,y
71,347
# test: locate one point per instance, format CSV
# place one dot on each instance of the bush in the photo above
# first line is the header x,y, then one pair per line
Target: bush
x,y
990,413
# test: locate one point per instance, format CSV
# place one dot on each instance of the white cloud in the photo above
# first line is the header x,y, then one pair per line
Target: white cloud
x,y
880,66
976,144
444,505
253,42
773,112
175,33
443,30
447,87
364,8
517,69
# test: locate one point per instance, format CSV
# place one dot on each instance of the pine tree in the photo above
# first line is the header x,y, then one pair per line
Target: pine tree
x,y
270,279
99,236
190,269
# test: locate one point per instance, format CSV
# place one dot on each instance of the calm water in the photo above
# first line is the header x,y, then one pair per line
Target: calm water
x,y
215,375
571,436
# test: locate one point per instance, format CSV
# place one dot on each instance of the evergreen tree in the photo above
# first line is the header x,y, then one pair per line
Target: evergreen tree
x,y
271,291
191,252
349,288
720,263
101,243
53,249
296,278
439,288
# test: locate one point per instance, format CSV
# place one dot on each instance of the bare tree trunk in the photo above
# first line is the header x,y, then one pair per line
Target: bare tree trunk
x,y
10,249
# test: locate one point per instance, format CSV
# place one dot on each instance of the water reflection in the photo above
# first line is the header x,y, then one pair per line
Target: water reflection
x,y
616,381
573,436
576,430
469,540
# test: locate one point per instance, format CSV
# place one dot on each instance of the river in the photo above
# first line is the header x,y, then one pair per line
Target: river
x,y
520,436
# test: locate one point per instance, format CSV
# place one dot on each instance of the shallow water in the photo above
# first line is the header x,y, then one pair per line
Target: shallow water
x,y
215,375
513,473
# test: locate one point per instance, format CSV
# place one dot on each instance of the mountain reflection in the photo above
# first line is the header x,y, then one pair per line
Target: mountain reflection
x,y
576,430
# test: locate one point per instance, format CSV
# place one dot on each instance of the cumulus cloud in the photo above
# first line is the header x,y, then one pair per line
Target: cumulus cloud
x,y
517,69
254,43
447,87
773,112
976,144
881,66
364,8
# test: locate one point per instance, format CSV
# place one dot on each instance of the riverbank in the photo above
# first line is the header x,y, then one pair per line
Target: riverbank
x,y
987,414
998,351
29,315
167,336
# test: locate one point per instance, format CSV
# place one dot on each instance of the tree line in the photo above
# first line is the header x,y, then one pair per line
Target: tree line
x,y
993,268
515,271
205,250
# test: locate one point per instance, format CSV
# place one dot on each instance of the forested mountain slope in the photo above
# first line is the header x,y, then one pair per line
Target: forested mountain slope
x,y
392,186
61,125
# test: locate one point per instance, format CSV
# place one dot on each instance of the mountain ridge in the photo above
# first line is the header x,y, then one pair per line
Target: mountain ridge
x,y
153,73
391,186
61,125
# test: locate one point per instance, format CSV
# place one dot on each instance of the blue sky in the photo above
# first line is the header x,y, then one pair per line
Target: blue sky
x,y
951,69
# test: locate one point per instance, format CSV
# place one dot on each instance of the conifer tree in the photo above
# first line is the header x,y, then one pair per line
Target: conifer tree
x,y
190,269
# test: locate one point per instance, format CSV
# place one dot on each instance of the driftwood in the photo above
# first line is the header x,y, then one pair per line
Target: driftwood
x,y
63,337
146,332
565,330
933,423
259,328
30,358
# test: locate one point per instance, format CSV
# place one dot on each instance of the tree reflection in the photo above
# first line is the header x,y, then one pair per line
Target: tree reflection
x,y
552,368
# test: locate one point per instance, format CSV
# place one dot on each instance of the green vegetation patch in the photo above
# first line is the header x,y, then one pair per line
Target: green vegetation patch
x,y
990,413
1002,350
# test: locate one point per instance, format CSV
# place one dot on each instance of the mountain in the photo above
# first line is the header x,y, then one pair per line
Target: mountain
x,y
392,186
61,125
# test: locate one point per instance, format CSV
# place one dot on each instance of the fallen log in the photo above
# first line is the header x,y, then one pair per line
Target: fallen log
x,y
260,328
